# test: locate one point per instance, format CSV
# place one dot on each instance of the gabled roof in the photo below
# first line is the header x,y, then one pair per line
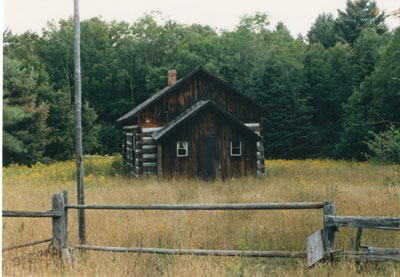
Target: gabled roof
x,y
195,109
165,90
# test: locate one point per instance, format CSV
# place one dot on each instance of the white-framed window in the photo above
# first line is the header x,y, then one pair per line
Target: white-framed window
x,y
182,148
236,148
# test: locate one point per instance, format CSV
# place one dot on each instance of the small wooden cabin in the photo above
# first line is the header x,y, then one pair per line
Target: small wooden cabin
x,y
198,126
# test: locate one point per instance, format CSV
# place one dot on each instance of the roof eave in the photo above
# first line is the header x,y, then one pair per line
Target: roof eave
x,y
150,100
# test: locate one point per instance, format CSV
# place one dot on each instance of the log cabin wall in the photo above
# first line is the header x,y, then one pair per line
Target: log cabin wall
x,y
208,123
129,145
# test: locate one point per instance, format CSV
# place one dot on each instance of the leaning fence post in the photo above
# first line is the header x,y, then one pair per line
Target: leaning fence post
x,y
59,228
329,232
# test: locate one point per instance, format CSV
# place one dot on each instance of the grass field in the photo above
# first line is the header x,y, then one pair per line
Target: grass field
x,y
356,188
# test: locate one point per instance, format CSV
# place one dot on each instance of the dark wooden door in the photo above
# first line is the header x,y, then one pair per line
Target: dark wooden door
x,y
208,157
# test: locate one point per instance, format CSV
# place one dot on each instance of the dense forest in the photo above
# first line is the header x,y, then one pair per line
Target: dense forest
x,y
332,94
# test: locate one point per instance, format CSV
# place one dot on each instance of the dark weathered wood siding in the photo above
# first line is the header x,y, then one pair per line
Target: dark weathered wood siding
x,y
147,158
208,123
200,86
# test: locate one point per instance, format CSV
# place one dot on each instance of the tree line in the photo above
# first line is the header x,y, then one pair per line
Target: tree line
x,y
329,94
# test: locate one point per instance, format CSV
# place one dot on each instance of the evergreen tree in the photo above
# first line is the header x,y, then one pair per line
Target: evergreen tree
x,y
26,48
268,66
288,126
12,115
366,54
329,85
375,104
323,31
358,15
61,126
24,125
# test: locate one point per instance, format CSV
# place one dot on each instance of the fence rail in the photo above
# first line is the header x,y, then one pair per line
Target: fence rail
x,y
31,214
200,252
361,256
387,223
27,244
258,206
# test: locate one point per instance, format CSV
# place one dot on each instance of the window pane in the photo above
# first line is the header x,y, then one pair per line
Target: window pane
x,y
182,148
236,148
236,151
235,144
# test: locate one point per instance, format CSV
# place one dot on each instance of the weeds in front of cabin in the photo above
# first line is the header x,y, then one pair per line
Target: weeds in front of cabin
x,y
98,171
356,189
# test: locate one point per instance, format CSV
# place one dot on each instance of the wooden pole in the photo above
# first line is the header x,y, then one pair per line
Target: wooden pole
x,y
78,124
65,196
58,223
59,228
257,206
329,231
30,214
364,256
26,244
201,252
389,223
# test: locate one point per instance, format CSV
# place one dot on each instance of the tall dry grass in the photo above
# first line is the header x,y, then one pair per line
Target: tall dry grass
x,y
356,189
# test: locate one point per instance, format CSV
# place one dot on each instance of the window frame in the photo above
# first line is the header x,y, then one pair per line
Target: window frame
x,y
186,148
231,147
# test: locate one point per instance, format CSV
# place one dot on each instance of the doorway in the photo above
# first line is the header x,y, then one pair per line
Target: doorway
x,y
208,157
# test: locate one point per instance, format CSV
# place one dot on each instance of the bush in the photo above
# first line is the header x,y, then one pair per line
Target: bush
x,y
119,167
104,165
385,146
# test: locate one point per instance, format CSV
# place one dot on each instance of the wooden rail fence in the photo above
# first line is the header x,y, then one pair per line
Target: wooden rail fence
x,y
320,245
364,253
59,215
258,206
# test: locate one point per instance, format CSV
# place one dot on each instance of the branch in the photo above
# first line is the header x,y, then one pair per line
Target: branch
x,y
376,123
395,13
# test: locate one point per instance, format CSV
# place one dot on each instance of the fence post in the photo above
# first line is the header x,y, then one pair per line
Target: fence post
x,y
59,228
65,196
329,232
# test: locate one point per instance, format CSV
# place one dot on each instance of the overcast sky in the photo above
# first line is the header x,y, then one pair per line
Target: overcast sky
x,y
298,16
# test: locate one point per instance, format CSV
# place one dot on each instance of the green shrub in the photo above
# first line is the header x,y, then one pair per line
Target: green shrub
x,y
119,167
104,165
384,146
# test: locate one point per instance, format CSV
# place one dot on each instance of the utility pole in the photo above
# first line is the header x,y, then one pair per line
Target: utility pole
x,y
78,124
